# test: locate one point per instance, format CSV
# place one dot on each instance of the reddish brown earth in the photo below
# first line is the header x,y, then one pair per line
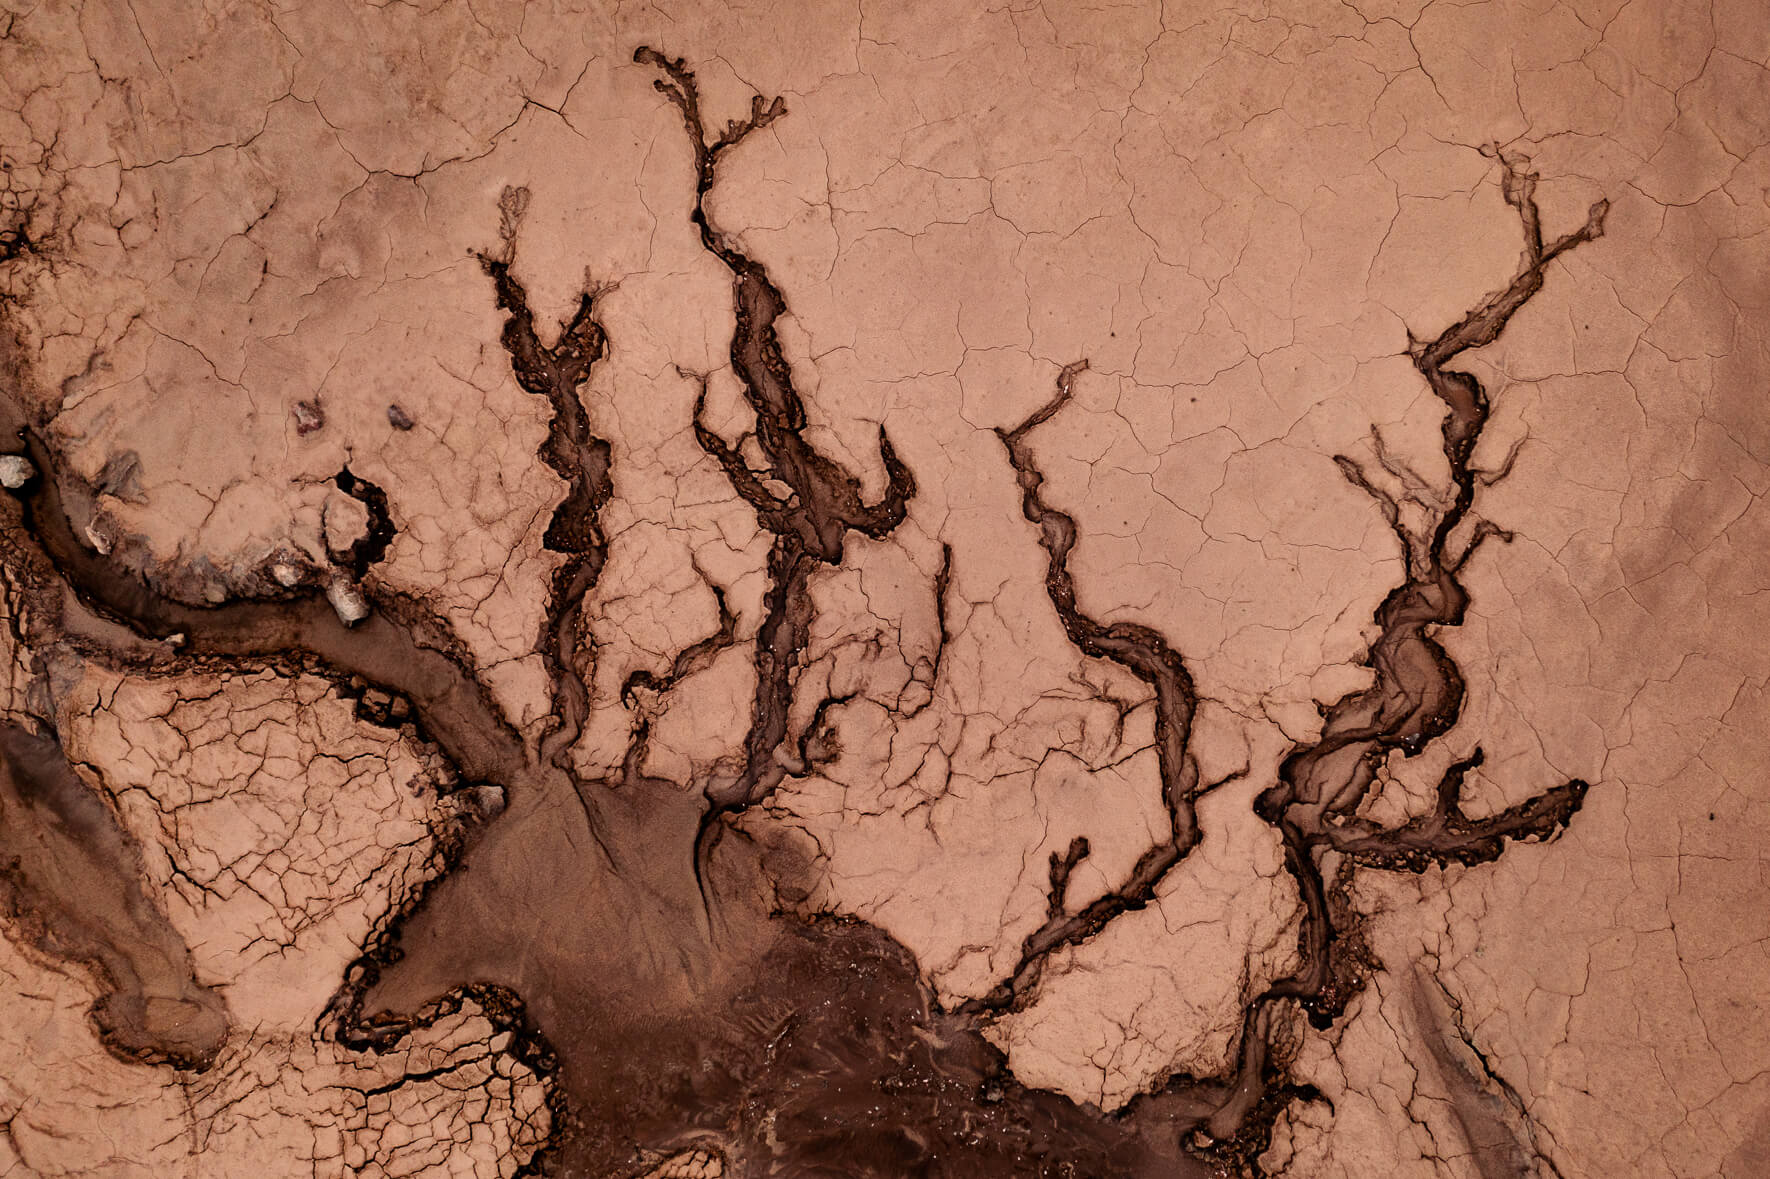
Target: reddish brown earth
x,y
911,590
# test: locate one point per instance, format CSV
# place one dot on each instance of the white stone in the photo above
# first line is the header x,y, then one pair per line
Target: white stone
x,y
347,601
15,471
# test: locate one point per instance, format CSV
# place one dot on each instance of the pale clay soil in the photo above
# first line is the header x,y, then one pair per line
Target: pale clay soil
x,y
250,247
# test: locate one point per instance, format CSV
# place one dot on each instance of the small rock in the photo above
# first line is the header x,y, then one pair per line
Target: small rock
x,y
15,471
398,418
488,800
286,576
347,601
101,544
344,521
308,417
121,477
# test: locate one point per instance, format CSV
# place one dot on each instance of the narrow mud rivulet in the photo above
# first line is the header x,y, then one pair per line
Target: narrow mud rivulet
x,y
1145,654
558,374
1415,697
663,988
461,935
822,502
401,647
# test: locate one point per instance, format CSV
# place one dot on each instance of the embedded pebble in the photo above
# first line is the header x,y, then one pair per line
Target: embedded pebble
x,y
347,601
15,471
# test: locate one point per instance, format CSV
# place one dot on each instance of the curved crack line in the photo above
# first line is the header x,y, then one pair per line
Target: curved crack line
x,y
371,547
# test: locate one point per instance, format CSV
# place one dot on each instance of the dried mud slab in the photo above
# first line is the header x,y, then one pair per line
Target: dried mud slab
x,y
884,591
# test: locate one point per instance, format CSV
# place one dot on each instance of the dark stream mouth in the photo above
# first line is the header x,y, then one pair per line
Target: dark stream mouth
x,y
623,928
822,1056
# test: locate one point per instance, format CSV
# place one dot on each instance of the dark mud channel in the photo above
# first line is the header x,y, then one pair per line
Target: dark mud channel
x,y
623,928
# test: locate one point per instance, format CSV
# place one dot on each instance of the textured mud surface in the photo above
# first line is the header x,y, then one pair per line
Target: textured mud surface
x,y
912,590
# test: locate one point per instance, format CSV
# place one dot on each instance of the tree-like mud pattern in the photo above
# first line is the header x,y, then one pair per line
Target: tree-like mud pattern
x,y
625,935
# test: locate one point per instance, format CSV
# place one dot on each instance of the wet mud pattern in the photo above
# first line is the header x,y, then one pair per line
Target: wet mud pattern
x,y
622,929
1415,696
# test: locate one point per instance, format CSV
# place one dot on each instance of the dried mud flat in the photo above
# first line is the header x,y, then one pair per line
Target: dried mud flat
x,y
900,590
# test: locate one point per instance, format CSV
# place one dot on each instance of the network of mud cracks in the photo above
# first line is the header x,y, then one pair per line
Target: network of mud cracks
x,y
676,1010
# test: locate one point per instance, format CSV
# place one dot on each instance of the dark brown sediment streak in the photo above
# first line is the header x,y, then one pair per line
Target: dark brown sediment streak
x,y
411,654
1145,654
558,374
822,503
692,658
1415,696
72,884
695,657
371,547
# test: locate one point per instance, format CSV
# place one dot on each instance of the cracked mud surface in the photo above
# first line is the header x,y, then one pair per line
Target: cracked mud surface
x,y
887,590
